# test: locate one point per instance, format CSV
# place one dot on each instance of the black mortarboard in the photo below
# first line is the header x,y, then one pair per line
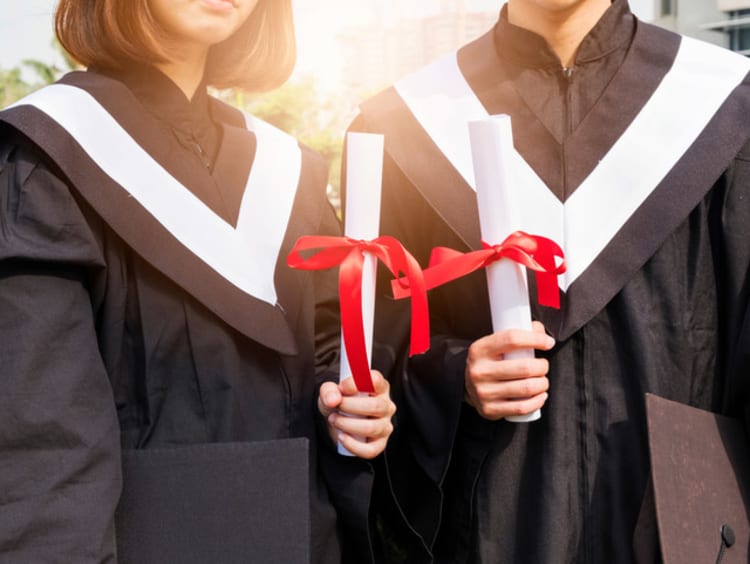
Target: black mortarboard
x,y
701,483
221,502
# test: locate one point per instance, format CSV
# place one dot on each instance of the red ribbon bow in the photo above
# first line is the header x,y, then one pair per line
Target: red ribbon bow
x,y
349,254
532,251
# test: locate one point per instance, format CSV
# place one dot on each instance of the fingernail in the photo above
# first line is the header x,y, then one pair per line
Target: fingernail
x,y
550,342
332,418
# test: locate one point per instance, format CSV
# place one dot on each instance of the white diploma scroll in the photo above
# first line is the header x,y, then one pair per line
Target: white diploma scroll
x,y
492,154
364,176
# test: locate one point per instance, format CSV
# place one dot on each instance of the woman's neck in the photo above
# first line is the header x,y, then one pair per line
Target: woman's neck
x,y
186,71
563,23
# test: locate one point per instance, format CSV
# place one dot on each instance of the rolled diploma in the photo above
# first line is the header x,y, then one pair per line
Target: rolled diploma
x,y
364,176
492,154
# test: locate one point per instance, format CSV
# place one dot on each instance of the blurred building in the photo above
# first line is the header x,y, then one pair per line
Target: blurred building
x,y
734,24
689,17
394,44
723,22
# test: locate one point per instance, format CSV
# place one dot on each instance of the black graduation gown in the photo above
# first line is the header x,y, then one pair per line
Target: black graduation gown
x,y
121,328
655,299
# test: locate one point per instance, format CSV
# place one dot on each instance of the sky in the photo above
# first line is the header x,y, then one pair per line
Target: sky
x,y
26,29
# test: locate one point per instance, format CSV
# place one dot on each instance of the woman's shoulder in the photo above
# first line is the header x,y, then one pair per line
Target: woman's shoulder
x,y
26,171
40,218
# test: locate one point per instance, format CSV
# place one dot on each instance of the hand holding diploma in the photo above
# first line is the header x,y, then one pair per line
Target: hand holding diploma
x,y
501,379
514,387
364,431
362,221
362,392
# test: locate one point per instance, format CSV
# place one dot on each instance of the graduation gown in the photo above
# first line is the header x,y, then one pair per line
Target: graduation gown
x,y
145,303
635,161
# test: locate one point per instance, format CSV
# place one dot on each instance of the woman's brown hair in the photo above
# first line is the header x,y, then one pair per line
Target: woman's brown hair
x,y
112,33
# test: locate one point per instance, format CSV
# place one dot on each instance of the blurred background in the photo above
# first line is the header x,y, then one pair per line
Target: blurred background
x,y
347,50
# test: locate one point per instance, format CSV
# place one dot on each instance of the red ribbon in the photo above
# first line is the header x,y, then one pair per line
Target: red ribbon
x,y
532,251
349,254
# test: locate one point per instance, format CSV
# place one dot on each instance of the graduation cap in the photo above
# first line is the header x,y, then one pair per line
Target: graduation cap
x,y
700,465
220,502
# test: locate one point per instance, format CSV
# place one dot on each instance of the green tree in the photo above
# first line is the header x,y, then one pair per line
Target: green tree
x,y
12,86
15,84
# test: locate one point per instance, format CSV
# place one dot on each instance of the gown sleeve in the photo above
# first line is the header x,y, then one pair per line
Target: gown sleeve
x,y
327,317
733,239
59,440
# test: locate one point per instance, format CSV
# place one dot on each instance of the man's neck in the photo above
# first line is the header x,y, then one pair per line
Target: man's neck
x,y
563,27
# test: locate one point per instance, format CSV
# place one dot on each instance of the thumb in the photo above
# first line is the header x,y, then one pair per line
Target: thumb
x,y
329,398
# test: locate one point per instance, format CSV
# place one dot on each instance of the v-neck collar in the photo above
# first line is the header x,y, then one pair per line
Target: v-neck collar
x,y
165,101
200,142
512,70
644,128
91,126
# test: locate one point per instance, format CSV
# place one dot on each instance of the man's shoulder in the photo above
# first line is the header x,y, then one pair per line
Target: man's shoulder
x,y
380,109
442,78
428,81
